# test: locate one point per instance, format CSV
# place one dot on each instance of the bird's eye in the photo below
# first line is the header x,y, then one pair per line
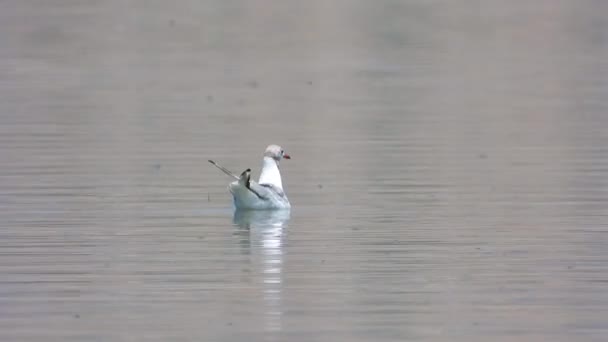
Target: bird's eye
x,y
282,152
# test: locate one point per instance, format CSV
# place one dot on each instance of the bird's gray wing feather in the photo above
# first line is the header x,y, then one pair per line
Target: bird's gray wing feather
x,y
273,189
225,170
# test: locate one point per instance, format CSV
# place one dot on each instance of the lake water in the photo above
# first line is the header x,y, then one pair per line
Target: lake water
x,y
449,171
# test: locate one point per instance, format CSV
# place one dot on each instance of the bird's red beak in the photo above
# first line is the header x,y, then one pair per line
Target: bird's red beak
x,y
286,156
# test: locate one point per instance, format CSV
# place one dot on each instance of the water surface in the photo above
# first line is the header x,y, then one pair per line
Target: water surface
x,y
448,180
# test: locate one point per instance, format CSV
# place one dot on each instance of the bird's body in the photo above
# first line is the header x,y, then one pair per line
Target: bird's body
x,y
266,194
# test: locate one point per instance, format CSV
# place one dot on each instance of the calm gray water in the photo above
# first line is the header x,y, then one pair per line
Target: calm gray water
x,y
449,178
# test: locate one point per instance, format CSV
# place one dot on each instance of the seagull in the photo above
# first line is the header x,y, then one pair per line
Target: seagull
x,y
268,192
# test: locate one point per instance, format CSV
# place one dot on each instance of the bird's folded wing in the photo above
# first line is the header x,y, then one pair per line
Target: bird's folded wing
x,y
273,189
261,191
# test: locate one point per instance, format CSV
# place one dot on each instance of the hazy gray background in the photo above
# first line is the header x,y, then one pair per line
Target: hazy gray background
x,y
449,173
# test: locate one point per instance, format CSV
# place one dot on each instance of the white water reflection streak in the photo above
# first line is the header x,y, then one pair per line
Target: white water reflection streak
x,y
265,231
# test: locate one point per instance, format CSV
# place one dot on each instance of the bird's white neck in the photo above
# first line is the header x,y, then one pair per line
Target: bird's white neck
x,y
270,173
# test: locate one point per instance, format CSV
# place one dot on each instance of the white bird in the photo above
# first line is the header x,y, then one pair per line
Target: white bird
x,y
268,192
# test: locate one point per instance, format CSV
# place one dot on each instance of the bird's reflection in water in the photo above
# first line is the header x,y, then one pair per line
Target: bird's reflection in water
x,y
265,231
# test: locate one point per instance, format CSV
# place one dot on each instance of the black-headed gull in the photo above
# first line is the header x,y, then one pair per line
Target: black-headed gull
x,y
268,192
